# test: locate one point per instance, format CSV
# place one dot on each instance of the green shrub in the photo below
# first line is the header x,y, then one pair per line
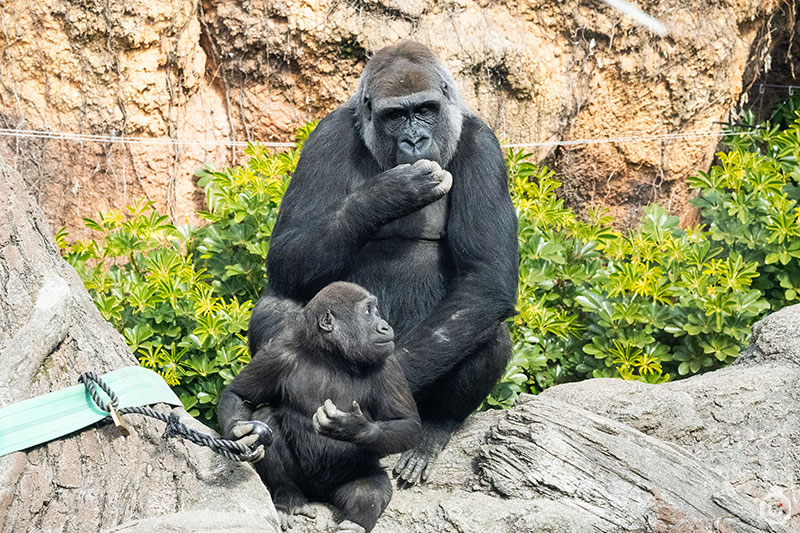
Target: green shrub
x,y
651,304
749,200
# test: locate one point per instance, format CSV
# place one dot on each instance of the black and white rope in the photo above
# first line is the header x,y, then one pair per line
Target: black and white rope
x,y
175,428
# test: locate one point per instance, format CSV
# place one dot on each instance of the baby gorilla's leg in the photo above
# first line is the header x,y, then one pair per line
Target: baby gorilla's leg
x,y
277,468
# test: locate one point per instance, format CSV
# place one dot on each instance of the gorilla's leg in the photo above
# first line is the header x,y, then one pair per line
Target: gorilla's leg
x,y
275,469
445,405
271,315
362,501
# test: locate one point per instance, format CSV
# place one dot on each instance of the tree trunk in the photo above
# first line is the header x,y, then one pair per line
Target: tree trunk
x,y
95,479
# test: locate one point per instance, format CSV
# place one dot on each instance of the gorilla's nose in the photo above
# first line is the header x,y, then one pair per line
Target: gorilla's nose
x,y
385,329
415,145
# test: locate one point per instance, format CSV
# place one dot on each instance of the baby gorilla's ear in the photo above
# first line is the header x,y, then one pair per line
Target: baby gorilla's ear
x,y
326,321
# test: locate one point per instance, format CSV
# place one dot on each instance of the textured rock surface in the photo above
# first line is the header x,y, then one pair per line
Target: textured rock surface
x,y
50,332
535,70
713,453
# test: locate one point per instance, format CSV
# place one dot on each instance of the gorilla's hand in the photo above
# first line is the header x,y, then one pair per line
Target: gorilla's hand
x,y
253,434
422,183
427,171
329,421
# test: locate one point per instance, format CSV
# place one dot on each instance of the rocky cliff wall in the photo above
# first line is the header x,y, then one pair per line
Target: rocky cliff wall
x,y
535,70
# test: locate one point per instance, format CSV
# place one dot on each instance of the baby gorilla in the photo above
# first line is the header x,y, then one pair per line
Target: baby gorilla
x,y
336,400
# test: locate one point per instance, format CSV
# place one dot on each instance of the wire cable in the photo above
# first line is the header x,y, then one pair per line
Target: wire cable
x,y
81,137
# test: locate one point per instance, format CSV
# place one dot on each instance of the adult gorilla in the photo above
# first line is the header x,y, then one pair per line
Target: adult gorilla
x,y
404,191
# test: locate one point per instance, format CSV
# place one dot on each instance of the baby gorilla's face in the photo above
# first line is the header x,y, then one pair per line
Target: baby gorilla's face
x,y
348,322
379,333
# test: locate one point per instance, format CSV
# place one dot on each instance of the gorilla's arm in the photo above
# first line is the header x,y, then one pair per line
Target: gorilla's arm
x,y
396,426
257,383
482,240
329,211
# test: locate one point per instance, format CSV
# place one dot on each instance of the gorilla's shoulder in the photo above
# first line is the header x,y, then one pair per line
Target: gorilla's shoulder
x,y
476,137
338,124
334,150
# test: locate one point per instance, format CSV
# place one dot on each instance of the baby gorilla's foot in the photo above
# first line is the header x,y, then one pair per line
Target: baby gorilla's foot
x,y
286,515
350,527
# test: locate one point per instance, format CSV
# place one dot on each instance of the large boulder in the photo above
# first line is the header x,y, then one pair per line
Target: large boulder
x,y
93,480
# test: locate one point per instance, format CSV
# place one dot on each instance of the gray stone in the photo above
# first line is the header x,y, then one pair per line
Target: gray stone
x,y
95,479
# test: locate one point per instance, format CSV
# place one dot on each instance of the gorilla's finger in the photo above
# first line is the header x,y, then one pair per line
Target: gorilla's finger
x,y
357,408
417,472
427,164
427,472
349,527
283,518
257,455
445,184
321,419
402,462
240,430
249,440
408,471
306,510
330,409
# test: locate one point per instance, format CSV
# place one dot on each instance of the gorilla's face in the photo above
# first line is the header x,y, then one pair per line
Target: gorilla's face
x,y
343,318
411,123
407,108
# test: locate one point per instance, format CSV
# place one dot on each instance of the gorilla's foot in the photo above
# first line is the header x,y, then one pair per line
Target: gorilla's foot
x,y
415,465
350,527
287,513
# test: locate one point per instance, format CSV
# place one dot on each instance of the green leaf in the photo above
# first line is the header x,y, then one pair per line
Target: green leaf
x,y
204,397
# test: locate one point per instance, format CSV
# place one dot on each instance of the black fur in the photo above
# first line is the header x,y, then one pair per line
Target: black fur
x,y
441,259
338,350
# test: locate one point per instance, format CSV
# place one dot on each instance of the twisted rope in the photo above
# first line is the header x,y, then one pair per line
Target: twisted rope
x,y
175,428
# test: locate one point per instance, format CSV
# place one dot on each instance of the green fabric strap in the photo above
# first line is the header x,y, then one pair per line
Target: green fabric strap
x,y
48,417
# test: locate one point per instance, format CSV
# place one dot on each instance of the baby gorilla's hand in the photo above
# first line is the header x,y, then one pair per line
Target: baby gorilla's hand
x,y
250,433
329,421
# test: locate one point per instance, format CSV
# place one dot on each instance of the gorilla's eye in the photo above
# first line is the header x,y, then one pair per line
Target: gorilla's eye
x,y
426,110
394,115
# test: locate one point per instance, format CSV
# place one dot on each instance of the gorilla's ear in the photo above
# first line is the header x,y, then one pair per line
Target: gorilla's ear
x,y
368,103
326,321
